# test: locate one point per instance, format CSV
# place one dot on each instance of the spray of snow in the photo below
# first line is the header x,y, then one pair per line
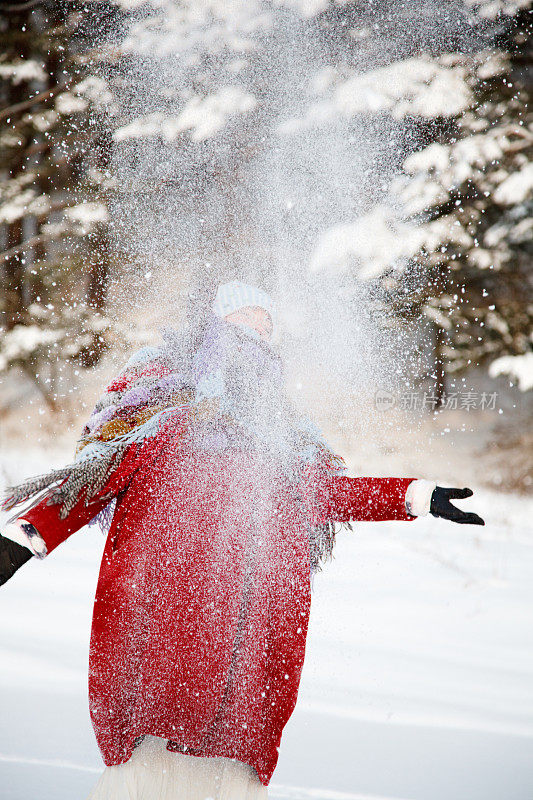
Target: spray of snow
x,y
249,147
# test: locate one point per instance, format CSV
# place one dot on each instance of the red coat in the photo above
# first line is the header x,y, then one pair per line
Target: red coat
x,y
202,604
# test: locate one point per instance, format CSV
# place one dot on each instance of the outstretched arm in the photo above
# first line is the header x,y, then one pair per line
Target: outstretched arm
x,y
39,532
52,529
342,499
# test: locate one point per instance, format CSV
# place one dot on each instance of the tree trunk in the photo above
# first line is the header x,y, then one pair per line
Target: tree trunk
x,y
14,278
440,375
100,259
13,266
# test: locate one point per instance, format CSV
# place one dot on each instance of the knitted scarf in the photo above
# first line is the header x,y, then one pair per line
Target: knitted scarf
x,y
160,394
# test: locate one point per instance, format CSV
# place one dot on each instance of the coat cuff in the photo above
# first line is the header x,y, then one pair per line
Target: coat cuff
x,y
418,497
24,533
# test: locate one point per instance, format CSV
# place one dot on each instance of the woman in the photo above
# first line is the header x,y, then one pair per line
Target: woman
x,y
222,502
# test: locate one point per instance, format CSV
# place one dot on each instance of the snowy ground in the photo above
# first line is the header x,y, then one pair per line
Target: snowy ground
x,y
418,681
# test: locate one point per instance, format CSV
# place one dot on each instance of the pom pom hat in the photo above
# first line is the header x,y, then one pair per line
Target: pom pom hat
x,y
233,296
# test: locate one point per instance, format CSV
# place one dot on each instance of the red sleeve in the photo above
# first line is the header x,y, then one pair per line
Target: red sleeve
x,y
54,530
343,499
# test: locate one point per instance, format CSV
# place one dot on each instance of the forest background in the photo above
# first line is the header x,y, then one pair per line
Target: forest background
x,y
369,163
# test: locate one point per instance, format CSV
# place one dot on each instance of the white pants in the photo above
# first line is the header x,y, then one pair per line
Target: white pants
x,y
154,773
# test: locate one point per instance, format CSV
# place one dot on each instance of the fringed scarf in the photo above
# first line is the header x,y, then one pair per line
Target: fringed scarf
x,y
159,392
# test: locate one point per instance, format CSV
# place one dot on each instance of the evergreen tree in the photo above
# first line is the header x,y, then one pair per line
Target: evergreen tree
x,y
473,194
54,148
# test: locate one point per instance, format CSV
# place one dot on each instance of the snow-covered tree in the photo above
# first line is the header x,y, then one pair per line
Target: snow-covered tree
x,y
53,180
473,194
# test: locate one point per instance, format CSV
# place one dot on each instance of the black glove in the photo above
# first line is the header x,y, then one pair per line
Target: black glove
x,y
12,556
441,506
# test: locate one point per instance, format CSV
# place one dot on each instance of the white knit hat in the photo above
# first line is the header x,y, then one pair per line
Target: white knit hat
x,y
235,295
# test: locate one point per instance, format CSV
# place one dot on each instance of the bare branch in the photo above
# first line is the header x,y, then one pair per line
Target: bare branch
x,y
21,248
22,6
17,108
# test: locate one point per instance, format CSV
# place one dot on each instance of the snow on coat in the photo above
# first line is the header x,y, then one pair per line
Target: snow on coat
x,y
202,604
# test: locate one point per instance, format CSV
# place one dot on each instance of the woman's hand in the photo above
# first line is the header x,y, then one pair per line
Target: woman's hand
x,y
12,557
441,506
